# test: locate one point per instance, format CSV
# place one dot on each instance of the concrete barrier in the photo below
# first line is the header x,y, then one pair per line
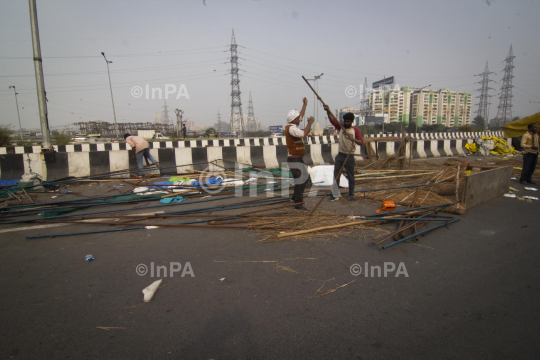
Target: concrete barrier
x,y
312,140
486,185
92,159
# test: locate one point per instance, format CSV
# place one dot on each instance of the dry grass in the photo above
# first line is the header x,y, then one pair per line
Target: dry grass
x,y
442,182
276,225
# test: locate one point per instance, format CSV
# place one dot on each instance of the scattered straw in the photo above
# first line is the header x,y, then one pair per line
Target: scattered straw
x,y
333,290
279,268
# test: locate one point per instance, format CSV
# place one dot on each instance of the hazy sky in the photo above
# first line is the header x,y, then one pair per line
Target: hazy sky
x,y
442,43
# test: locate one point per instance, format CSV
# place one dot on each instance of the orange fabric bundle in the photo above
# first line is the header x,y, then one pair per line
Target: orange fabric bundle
x,y
387,205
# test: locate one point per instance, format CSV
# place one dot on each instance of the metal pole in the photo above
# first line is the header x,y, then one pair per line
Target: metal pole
x,y
178,123
112,99
384,78
18,115
419,233
40,83
317,77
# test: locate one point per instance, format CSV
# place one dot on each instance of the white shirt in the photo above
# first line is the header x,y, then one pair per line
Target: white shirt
x,y
295,131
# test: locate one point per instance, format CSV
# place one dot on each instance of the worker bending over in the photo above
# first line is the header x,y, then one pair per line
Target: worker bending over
x,y
344,146
296,149
140,150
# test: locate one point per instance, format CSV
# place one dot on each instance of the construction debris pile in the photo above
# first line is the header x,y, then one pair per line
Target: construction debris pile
x,y
428,190
494,145
436,182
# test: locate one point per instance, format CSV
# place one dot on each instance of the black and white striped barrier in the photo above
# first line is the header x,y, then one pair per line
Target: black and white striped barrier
x,y
58,165
312,140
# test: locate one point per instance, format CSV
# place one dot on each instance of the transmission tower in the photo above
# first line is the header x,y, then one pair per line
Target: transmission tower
x,y
484,96
166,119
365,100
251,115
237,124
220,126
504,112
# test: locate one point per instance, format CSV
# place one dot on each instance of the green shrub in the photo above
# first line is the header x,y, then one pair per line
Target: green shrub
x,y
467,128
60,138
25,143
5,135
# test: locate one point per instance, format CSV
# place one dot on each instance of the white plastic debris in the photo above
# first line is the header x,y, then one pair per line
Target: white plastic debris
x,y
151,227
532,189
323,175
151,290
510,195
221,279
143,190
233,182
140,189
513,178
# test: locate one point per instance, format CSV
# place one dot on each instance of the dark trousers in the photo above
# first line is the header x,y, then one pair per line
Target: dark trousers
x,y
529,164
348,171
300,175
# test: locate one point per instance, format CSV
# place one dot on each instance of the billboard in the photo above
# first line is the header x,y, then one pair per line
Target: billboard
x,y
276,129
387,81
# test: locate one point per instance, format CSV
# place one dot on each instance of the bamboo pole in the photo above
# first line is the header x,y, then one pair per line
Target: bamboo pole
x,y
320,229
390,177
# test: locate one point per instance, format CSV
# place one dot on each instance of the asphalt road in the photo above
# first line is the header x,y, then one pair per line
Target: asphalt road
x,y
472,292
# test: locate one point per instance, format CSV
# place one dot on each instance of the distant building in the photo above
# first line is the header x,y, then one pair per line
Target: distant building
x,y
449,108
396,104
159,117
189,125
198,128
425,106
372,120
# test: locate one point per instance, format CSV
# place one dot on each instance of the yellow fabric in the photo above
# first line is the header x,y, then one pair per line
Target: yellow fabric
x,y
500,147
519,127
472,147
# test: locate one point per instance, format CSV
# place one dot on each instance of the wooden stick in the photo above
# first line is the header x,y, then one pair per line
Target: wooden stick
x,y
410,152
320,229
365,175
389,177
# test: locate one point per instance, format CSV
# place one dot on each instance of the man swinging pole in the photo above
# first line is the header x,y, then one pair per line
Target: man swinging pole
x,y
296,149
353,135
345,147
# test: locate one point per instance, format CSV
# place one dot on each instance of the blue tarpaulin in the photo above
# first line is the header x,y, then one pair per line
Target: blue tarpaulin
x,y
9,182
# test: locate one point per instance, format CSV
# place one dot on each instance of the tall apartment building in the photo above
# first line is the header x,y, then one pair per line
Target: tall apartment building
x,y
189,124
464,105
159,117
443,106
396,104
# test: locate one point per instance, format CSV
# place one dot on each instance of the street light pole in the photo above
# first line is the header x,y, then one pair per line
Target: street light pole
x,y
40,82
315,109
316,78
179,113
112,99
18,115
